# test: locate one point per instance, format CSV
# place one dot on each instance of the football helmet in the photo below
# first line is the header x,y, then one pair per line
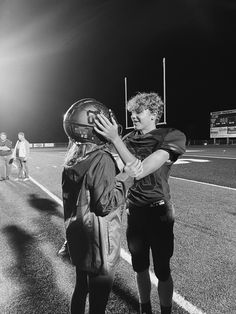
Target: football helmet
x,y
79,122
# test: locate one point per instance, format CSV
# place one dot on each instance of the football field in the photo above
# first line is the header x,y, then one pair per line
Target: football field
x,y
33,279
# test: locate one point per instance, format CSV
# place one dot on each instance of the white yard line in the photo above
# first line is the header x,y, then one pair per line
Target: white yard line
x,y
205,183
53,196
194,150
177,298
181,301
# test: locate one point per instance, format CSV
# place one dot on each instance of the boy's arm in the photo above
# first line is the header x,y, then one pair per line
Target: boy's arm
x,y
110,131
171,148
174,144
150,164
153,162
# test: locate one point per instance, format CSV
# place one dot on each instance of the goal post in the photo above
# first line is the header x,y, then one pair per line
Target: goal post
x,y
127,126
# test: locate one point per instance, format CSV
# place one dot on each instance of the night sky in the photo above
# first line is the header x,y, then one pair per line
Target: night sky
x,y
54,52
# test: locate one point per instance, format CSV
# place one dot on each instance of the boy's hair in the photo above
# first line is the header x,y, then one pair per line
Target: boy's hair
x,y
151,101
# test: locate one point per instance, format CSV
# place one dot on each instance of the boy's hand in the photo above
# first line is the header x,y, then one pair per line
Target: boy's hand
x,y
106,128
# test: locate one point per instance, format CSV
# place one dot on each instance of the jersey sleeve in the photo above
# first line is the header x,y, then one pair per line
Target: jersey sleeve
x,y
174,143
108,191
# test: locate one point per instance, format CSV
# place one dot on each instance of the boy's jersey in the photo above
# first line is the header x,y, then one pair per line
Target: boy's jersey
x,y
154,186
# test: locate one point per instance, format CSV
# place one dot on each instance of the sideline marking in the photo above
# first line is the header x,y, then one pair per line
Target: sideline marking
x,y
53,196
189,160
177,298
194,160
194,150
205,183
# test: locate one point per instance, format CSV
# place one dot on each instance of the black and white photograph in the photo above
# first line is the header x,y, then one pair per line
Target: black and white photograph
x,y
117,156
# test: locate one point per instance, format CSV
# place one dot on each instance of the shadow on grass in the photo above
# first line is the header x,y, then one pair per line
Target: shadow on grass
x,y
45,205
121,289
32,274
231,213
45,222
204,229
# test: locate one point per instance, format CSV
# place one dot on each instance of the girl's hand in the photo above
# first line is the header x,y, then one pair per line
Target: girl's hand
x,y
106,128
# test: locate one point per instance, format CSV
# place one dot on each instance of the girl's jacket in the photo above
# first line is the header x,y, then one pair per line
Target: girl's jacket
x,y
93,199
23,147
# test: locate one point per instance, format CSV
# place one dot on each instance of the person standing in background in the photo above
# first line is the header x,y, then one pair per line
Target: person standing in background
x,y
21,154
5,156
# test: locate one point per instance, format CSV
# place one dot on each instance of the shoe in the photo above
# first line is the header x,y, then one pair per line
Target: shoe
x,y
2,179
7,178
64,251
26,179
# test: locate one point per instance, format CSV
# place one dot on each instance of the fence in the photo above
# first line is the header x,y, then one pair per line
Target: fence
x,y
217,141
48,145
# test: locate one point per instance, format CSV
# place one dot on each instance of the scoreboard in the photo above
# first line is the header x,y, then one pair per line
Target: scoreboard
x,y
223,124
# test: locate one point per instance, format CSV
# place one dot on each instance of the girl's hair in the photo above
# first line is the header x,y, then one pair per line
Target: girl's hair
x,y
151,101
79,151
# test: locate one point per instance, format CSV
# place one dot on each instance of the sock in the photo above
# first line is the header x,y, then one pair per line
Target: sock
x,y
146,308
166,309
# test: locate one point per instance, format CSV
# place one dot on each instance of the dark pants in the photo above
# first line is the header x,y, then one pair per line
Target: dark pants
x,y
5,168
151,228
23,168
97,286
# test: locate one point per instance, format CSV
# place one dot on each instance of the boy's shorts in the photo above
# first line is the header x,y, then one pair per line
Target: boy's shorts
x,y
151,227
